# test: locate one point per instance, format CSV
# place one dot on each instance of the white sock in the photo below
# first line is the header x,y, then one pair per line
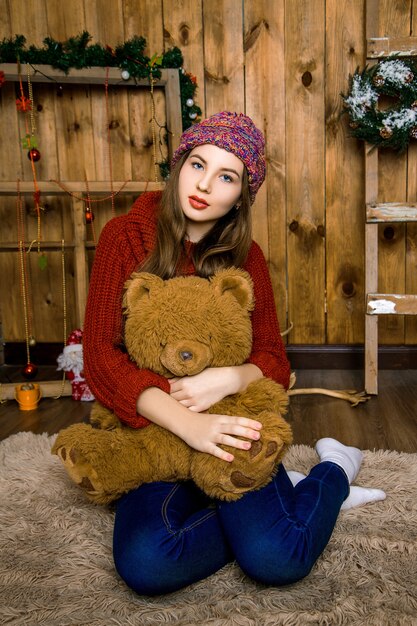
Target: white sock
x,y
362,495
346,457
357,496
295,477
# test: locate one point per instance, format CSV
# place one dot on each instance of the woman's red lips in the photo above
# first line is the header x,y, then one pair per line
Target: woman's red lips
x,y
197,203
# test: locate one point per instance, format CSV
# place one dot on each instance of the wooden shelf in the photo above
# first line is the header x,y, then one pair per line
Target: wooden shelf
x,y
49,389
391,212
380,47
169,82
391,304
85,76
95,187
11,246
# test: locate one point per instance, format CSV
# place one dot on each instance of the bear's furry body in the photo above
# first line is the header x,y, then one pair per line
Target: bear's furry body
x,y
179,327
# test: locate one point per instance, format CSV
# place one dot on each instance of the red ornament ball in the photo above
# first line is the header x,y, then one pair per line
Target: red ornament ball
x,y
89,217
34,155
29,371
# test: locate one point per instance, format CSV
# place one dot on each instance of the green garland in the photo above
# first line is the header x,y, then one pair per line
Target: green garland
x,y
395,126
77,53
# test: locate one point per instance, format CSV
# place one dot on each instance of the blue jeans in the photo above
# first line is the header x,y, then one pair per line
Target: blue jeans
x,y
169,535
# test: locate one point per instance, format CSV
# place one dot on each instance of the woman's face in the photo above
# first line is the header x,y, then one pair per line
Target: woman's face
x,y
210,184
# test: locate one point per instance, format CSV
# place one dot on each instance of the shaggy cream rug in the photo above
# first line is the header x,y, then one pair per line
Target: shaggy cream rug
x,y
56,560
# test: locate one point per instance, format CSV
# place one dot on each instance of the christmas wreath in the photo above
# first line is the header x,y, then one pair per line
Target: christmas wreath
x,y
394,126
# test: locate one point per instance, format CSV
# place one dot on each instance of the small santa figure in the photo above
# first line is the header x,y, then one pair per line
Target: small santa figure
x,y
71,361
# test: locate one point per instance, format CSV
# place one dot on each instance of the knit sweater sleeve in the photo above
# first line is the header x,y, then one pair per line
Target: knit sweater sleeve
x,y
268,351
114,379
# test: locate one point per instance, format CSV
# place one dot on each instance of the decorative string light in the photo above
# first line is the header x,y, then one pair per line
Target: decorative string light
x,y
106,87
30,370
30,142
153,125
64,310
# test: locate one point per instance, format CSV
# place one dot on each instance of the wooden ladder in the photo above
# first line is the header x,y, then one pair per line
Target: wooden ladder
x,y
381,303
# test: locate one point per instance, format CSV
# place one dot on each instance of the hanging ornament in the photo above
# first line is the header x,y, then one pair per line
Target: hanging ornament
x,y
32,341
378,80
125,74
385,132
42,261
23,104
34,155
29,371
89,216
190,102
192,116
29,142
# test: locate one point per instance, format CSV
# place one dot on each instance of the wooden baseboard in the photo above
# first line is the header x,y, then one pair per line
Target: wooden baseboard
x,y
301,356
349,357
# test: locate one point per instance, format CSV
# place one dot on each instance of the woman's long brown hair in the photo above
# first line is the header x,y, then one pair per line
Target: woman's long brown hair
x,y
225,245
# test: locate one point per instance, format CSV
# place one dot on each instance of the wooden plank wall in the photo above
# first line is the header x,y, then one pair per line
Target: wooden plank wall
x,y
285,63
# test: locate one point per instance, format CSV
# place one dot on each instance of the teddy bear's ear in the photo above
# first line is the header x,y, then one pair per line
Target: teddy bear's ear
x,y
236,282
138,286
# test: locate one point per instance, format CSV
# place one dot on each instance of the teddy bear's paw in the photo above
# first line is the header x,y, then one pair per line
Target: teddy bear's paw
x,y
254,468
251,469
272,449
258,467
100,417
79,470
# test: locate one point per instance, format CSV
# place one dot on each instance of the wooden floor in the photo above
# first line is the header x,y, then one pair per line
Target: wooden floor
x,y
387,421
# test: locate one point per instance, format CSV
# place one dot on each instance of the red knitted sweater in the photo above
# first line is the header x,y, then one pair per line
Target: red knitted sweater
x,y
113,378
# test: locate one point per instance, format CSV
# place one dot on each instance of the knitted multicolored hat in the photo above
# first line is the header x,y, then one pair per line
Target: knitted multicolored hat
x,y
233,132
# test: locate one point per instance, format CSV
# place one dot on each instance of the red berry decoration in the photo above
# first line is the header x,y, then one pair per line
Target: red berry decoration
x,y
34,154
89,217
29,371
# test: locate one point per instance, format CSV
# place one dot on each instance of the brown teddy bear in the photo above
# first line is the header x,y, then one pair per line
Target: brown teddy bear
x,y
179,327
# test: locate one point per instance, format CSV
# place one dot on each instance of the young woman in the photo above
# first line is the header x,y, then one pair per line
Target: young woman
x,y
167,535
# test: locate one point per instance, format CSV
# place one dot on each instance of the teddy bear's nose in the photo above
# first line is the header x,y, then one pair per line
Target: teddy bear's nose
x,y
186,355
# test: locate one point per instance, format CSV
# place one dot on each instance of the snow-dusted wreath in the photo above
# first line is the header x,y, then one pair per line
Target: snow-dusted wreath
x,y
395,126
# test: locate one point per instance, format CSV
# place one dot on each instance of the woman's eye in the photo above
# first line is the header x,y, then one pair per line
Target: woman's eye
x,y
226,178
196,165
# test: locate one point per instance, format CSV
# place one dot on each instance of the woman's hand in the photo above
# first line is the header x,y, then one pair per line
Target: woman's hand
x,y
201,431
198,393
204,432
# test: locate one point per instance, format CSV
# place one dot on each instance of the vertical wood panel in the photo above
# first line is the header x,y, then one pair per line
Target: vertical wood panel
x,y
265,67
345,210
394,19
45,285
223,56
305,38
63,20
111,124
183,27
145,18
